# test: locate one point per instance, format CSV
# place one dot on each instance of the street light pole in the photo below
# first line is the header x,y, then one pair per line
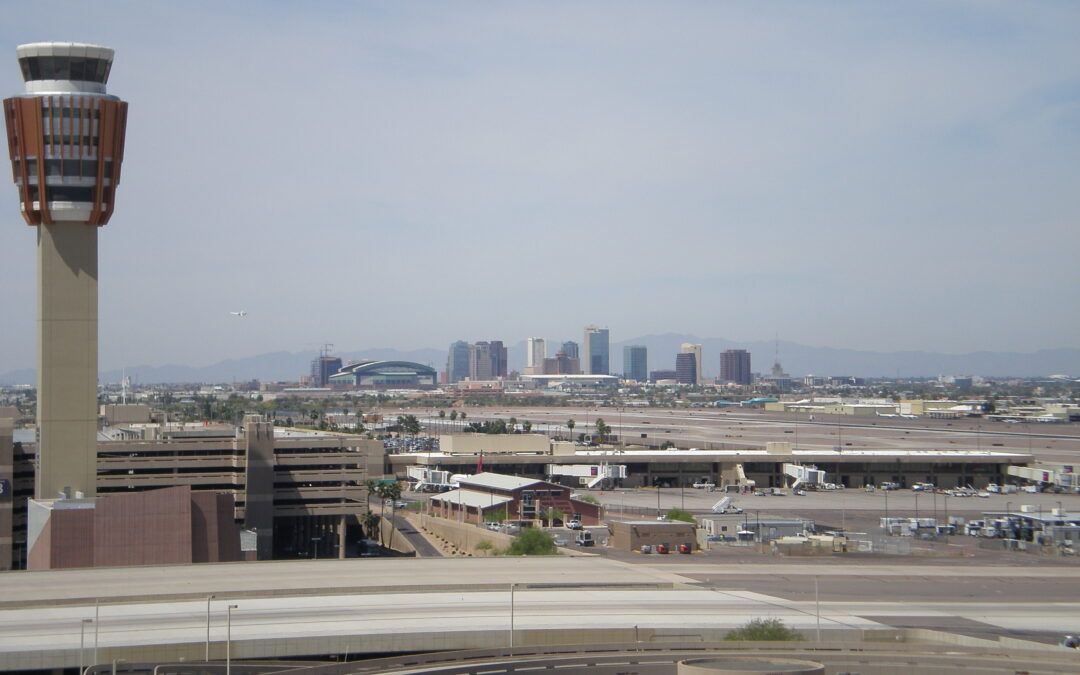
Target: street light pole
x,y
97,615
817,609
208,599
511,616
82,643
228,639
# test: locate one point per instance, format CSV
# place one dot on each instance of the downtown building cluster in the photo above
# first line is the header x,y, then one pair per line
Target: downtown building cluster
x,y
483,361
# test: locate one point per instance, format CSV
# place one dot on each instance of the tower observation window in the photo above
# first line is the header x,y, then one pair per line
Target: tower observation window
x,y
65,68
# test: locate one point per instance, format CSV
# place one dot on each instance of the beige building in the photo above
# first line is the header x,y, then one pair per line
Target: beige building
x,y
294,489
689,348
130,413
631,535
492,444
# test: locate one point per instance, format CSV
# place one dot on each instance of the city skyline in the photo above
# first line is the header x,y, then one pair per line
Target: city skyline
x,y
918,168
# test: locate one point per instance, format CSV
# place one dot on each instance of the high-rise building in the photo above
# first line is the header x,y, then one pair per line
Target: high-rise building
x,y
570,348
66,141
596,347
480,361
735,366
561,365
457,363
690,348
535,353
636,363
323,367
498,359
686,368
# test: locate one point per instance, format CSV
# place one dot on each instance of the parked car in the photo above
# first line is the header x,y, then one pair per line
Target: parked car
x,y
662,548
646,548
585,539
684,548
573,524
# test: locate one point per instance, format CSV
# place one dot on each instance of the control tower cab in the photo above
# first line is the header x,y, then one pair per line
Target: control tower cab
x,y
65,134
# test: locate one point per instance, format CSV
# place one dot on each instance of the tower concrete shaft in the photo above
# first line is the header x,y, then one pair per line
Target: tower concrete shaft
x,y
66,142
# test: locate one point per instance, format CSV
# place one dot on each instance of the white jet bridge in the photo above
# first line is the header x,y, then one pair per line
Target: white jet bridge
x,y
589,475
804,475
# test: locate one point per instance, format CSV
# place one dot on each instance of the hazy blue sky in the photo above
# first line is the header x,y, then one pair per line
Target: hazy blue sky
x,y
869,175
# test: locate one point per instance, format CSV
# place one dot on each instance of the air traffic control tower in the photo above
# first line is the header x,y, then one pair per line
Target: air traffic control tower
x,y
66,141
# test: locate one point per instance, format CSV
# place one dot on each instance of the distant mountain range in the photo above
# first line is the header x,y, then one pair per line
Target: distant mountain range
x,y
796,359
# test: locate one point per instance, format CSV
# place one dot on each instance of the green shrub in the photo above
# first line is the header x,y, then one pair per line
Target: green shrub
x,y
764,630
532,542
679,514
588,499
484,545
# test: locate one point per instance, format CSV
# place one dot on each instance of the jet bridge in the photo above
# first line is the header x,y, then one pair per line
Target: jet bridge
x,y
588,475
804,475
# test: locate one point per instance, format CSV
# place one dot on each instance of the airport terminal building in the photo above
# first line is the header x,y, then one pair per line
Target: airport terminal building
x,y
535,456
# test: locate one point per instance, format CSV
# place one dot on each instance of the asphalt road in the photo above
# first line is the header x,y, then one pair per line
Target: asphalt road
x,y
424,548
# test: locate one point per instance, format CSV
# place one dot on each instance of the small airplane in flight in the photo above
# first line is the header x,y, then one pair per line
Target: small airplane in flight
x,y
240,314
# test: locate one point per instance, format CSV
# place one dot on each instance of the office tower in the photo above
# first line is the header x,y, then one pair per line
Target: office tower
x,y
480,361
570,348
690,348
735,366
457,363
498,359
635,363
66,142
686,368
323,367
535,353
596,351
561,365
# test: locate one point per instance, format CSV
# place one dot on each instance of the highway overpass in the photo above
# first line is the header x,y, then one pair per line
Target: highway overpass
x,y
383,606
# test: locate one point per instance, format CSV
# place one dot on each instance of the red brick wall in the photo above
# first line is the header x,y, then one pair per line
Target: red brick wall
x,y
215,536
143,528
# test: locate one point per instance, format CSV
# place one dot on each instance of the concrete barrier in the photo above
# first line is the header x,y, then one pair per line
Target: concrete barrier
x,y
398,542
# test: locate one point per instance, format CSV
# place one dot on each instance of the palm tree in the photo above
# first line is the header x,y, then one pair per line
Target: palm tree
x,y
391,492
375,488
570,424
602,429
371,522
